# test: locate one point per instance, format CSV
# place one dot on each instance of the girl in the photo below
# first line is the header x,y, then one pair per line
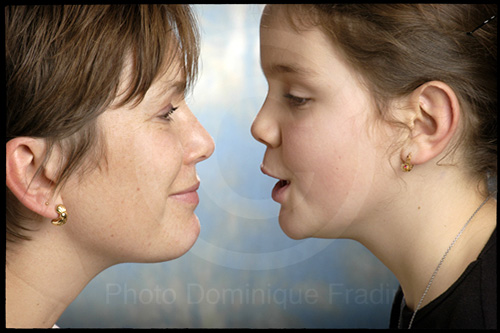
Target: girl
x,y
101,147
380,126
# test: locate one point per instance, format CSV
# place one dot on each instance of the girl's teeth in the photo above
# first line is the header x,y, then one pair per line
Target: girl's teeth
x,y
284,183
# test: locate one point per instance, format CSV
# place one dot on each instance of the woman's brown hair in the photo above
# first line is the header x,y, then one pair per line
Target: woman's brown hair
x,y
398,47
63,69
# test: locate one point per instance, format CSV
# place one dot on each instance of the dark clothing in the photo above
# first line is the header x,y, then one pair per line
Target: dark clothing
x,y
471,302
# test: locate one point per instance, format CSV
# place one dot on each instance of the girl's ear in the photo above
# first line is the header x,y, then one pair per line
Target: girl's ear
x,y
436,113
31,186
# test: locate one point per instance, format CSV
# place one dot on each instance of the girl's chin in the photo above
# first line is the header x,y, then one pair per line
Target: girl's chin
x,y
291,227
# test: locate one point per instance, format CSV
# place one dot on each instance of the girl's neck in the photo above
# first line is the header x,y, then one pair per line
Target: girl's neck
x,y
412,241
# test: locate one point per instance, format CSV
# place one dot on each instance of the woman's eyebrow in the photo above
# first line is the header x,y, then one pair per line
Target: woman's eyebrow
x,y
176,87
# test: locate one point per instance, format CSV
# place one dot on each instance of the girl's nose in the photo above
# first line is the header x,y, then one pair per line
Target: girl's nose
x,y
265,127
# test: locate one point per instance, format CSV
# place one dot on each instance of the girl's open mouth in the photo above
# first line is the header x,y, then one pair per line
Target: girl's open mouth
x,y
279,190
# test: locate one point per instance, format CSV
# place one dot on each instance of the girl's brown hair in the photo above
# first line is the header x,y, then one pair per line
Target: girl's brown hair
x,y
398,47
63,69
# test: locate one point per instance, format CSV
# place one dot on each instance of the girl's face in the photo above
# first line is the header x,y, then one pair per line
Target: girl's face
x,y
318,123
139,204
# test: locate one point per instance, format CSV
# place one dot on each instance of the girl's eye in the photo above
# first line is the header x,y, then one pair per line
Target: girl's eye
x,y
296,101
170,109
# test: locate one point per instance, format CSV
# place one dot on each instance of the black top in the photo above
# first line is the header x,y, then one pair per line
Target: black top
x,y
471,302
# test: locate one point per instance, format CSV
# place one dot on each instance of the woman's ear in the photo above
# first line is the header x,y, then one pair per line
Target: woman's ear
x,y
33,188
436,113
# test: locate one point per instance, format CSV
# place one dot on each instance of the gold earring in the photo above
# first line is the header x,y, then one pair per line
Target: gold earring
x,y
407,166
63,216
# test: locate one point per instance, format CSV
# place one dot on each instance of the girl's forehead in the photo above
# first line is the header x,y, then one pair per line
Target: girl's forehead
x,y
274,16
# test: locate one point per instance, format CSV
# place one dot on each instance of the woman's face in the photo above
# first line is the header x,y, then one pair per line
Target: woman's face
x,y
315,123
139,204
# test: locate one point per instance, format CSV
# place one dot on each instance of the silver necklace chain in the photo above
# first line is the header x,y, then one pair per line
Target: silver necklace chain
x,y
437,269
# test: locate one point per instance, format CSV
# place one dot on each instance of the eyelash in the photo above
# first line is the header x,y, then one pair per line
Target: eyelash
x,y
167,115
296,101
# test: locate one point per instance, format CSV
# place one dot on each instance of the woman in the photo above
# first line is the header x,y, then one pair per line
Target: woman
x,y
380,124
101,147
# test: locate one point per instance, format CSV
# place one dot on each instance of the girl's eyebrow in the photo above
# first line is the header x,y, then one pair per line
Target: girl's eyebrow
x,y
289,68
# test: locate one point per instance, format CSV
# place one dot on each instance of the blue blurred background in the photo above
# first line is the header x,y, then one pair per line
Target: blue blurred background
x,y
243,271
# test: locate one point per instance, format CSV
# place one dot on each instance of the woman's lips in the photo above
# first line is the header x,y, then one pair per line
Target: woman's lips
x,y
188,195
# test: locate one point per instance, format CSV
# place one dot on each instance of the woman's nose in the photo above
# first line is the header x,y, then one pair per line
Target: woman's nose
x,y
200,144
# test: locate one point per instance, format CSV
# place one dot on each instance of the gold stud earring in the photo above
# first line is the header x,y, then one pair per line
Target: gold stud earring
x,y
407,166
63,215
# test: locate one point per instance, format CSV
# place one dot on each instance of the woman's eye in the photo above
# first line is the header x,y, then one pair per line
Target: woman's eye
x,y
296,100
170,110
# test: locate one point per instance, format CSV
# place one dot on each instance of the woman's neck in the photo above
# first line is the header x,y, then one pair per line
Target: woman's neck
x,y
43,276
